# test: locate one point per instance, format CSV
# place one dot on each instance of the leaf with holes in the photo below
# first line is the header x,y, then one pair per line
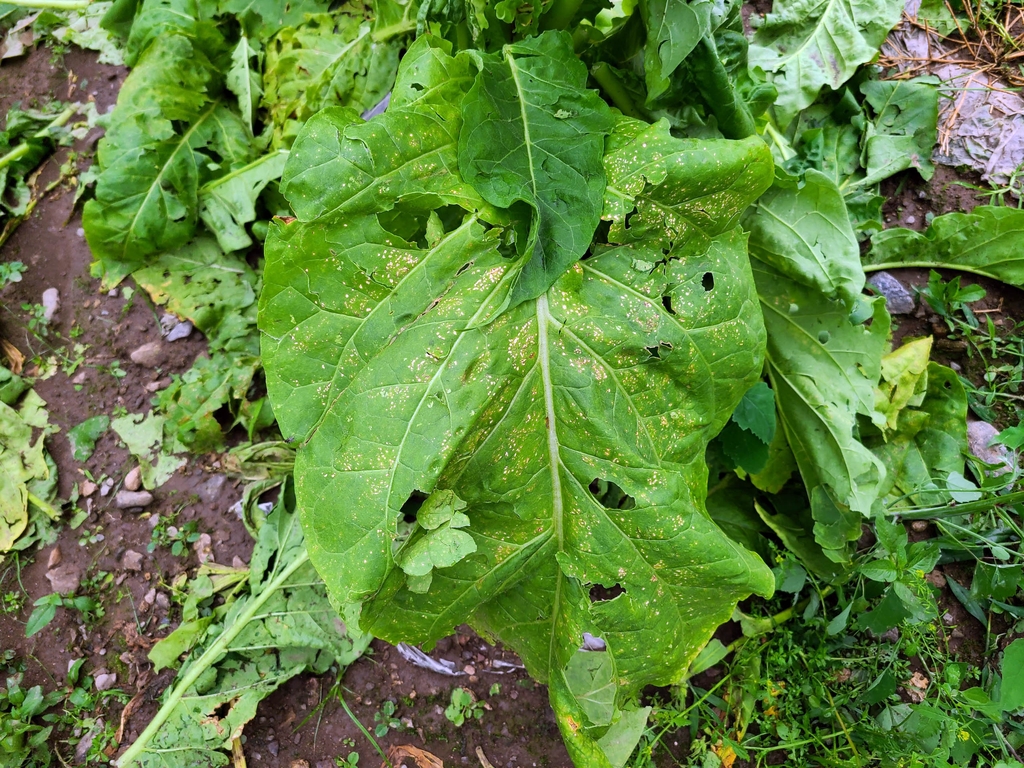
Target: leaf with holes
x,y
572,426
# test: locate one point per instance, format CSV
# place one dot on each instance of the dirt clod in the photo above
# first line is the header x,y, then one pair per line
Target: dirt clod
x,y
150,355
65,579
131,561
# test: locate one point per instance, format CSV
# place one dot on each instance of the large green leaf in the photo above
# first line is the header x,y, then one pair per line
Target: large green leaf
x,y
985,242
823,369
147,194
806,45
903,132
568,429
801,227
534,134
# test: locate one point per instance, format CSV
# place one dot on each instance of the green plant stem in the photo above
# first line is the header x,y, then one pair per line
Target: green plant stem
x,y
560,14
947,510
782,617
404,27
615,90
926,264
204,662
50,5
782,144
52,513
24,148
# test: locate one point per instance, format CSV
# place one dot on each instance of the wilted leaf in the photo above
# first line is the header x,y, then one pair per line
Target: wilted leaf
x,y
83,437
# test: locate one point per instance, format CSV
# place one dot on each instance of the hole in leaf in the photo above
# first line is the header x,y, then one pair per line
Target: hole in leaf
x,y
666,300
602,231
610,496
708,281
223,710
823,337
463,268
599,593
654,352
412,506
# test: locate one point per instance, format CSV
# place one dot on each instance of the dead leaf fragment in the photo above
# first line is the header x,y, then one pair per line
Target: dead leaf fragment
x,y
15,360
422,759
917,686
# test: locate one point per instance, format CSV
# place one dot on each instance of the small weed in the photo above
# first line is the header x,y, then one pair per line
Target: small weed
x,y
37,322
11,602
11,272
47,605
166,534
948,298
463,707
386,720
352,761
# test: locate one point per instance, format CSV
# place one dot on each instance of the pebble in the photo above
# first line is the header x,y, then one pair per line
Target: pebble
x,y
87,488
106,486
948,619
55,558
105,681
64,579
133,480
203,548
979,438
131,561
51,302
130,499
898,299
911,219
156,386
163,602
273,748
150,354
150,597
181,331
919,526
210,490
79,378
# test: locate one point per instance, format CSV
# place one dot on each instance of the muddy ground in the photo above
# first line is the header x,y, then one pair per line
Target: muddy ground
x,y
518,728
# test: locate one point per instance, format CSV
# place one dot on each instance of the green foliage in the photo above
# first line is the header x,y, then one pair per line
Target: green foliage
x,y
245,633
84,436
463,706
807,45
983,242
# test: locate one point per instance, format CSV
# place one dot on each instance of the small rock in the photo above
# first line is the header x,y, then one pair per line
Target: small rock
x,y
105,681
181,331
106,486
131,561
150,597
469,669
51,302
162,601
911,219
133,480
156,386
299,764
55,558
64,579
979,436
237,562
210,490
203,548
898,300
955,366
919,526
130,499
85,744
79,378
273,748
168,321
150,354
948,619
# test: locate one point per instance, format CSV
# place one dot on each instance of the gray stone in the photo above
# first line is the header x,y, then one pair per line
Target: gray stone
x,y
51,302
64,579
131,561
210,490
150,354
180,331
898,300
133,480
130,499
979,438
168,321
105,681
